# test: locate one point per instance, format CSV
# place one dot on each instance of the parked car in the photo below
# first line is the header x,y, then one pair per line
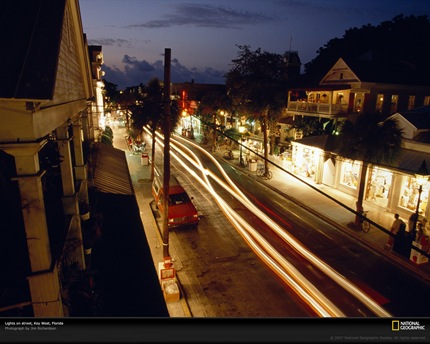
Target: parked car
x,y
182,211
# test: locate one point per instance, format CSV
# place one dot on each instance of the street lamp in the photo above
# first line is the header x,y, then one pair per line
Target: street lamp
x,y
241,131
421,177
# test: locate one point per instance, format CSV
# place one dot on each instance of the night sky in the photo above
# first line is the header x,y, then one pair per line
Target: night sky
x,y
203,35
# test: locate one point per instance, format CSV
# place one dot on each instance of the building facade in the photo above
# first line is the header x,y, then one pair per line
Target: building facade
x,y
44,103
355,87
396,188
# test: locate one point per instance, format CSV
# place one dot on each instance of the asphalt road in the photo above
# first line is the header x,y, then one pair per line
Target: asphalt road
x,y
228,277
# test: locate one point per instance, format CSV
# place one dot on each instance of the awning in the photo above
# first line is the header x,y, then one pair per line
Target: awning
x,y
111,174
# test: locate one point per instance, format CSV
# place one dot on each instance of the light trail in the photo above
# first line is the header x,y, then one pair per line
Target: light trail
x,y
282,267
285,270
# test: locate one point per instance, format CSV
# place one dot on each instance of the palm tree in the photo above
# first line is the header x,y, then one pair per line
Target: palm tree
x,y
373,141
256,85
154,110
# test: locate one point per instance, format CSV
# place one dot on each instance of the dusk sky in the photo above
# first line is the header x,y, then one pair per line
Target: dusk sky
x,y
203,35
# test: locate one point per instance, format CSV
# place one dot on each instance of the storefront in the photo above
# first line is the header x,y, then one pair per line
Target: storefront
x,y
190,125
378,182
306,161
378,186
394,190
350,174
409,195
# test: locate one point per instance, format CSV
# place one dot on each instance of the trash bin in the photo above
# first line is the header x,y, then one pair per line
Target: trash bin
x,y
252,166
144,159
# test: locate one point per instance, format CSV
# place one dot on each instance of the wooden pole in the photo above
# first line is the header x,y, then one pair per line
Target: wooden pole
x,y
166,174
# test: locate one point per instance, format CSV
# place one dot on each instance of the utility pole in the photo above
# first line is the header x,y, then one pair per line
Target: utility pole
x,y
166,174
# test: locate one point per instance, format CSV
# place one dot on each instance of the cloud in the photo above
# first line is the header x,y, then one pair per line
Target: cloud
x,y
109,42
141,71
206,15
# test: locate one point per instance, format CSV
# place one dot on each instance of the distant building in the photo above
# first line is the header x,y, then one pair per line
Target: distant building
x,y
368,84
189,96
371,84
293,64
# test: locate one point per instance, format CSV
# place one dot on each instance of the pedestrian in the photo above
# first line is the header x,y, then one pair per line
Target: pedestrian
x,y
413,232
412,221
400,245
420,233
395,227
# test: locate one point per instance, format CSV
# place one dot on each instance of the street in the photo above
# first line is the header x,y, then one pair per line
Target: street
x,y
229,279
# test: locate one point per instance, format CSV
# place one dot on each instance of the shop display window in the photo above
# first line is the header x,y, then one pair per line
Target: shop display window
x,y
378,186
409,195
350,172
305,161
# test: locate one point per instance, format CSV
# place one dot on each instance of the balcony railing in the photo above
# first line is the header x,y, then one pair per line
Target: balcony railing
x,y
317,108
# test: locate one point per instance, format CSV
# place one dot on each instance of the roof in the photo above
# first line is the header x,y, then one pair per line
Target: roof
x,y
324,142
419,117
111,174
419,121
411,160
30,34
127,278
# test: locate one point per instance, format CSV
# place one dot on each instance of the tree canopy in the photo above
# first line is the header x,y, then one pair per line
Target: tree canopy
x,y
405,38
256,81
371,139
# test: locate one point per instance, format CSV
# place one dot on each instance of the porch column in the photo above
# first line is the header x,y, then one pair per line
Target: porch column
x,y
44,284
80,168
29,178
322,157
70,196
67,178
46,294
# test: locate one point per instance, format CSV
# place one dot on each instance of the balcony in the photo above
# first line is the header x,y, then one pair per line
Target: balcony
x,y
321,109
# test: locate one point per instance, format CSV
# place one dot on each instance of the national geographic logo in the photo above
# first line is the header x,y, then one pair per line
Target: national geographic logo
x,y
397,325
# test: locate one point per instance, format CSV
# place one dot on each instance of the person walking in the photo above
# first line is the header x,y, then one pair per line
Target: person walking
x,y
412,221
401,241
420,233
395,227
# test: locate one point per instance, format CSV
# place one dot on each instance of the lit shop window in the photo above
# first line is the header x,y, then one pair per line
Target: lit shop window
x,y
350,172
409,195
378,186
